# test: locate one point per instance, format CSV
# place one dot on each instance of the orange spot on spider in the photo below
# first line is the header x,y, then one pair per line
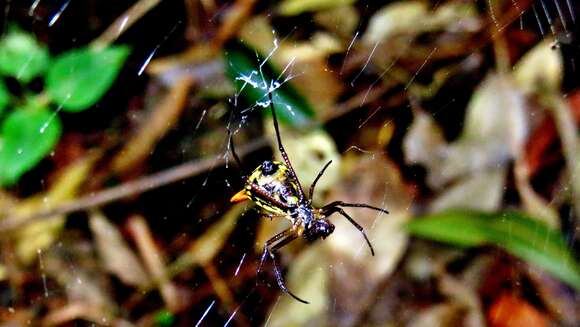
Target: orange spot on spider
x,y
240,196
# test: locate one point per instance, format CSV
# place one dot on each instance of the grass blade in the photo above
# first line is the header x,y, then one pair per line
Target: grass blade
x,y
518,234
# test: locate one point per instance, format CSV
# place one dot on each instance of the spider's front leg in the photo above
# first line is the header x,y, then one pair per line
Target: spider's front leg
x,y
331,209
334,204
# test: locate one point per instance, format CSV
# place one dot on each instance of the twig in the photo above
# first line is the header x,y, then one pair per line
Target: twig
x,y
357,101
162,178
153,258
234,18
221,289
123,22
130,188
566,127
164,116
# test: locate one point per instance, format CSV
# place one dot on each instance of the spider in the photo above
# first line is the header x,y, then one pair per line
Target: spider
x,y
275,188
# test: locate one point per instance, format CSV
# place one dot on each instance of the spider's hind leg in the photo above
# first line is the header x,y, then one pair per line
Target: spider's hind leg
x,y
268,245
270,249
277,271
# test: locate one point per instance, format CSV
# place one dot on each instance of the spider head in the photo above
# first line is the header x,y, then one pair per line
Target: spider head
x,y
319,228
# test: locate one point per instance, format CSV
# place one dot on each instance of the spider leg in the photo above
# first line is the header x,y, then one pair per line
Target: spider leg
x,y
270,249
269,243
277,271
233,148
341,211
311,192
282,150
352,205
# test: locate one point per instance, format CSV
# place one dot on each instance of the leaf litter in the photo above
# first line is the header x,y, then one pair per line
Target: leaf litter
x,y
425,108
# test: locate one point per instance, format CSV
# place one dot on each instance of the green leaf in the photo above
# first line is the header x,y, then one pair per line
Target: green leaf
x,y
242,67
164,318
26,136
79,78
22,57
520,235
4,97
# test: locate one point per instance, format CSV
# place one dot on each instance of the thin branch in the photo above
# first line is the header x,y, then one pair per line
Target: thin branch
x,y
123,22
144,184
130,188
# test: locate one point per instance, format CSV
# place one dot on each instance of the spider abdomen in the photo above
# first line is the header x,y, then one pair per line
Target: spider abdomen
x,y
271,188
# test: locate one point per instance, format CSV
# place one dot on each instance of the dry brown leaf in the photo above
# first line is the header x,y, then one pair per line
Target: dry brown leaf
x,y
7,201
233,18
497,110
538,73
257,32
296,7
74,311
319,46
496,127
316,81
39,235
540,70
73,265
424,261
341,20
305,61
535,205
199,53
203,250
568,132
154,261
307,278
444,314
575,172
115,253
355,273
162,119
396,17
556,297
3,272
462,306
464,295
376,181
424,142
207,245
414,17
455,16
481,191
